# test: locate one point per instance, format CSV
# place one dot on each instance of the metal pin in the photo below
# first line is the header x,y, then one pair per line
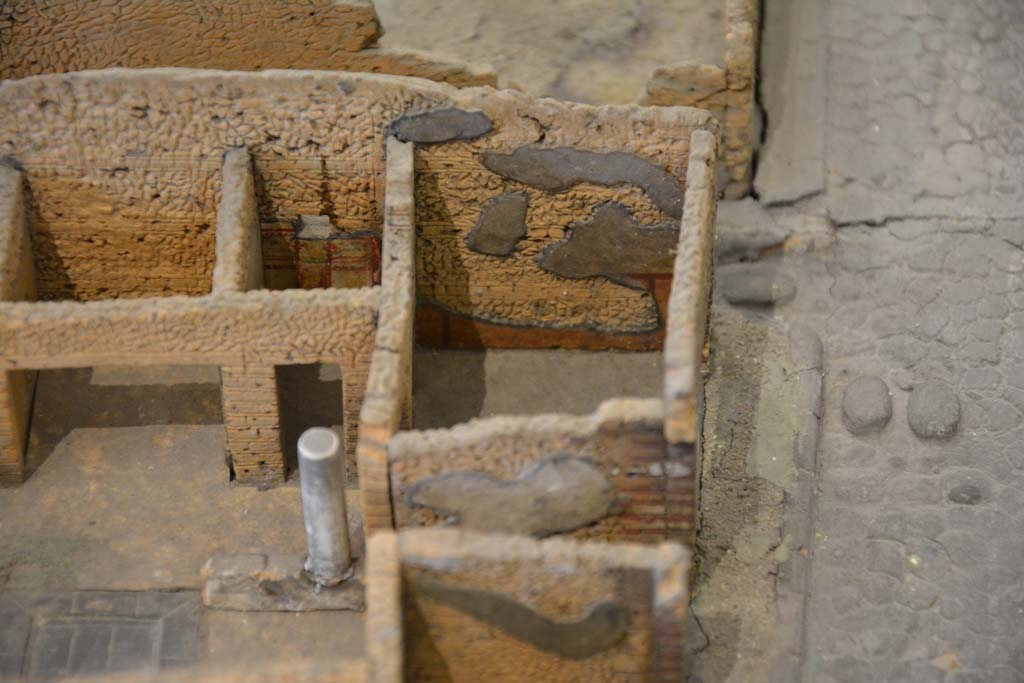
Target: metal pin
x,y
322,480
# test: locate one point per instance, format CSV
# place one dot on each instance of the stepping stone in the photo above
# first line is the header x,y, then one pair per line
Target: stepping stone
x,y
755,285
867,405
933,410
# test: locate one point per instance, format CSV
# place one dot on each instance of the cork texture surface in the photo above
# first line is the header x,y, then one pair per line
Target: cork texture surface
x,y
139,173
388,395
690,298
53,36
654,491
58,36
252,328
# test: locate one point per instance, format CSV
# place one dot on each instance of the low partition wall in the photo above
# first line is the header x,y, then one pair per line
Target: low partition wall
x,y
244,330
446,605
607,476
539,222
247,334
687,332
388,398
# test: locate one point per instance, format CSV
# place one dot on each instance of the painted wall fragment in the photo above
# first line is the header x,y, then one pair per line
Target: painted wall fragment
x,y
601,628
501,225
556,169
441,125
557,494
613,244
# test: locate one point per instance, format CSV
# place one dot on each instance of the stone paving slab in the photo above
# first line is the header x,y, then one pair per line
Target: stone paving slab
x,y
915,545
47,636
925,109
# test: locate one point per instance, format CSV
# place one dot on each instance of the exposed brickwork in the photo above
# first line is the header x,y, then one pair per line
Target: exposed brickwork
x,y
252,424
437,327
344,260
669,646
658,494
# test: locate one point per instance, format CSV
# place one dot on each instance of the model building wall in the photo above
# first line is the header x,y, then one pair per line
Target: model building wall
x,y
474,607
627,472
606,476
57,36
132,187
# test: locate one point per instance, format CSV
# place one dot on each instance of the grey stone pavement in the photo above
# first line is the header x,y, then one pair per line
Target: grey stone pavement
x,y
88,633
908,262
924,115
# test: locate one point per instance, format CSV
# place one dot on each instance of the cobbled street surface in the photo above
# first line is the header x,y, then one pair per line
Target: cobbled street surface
x,y
924,108
917,553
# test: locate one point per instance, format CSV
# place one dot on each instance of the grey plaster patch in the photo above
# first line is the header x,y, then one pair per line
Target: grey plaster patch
x,y
780,426
556,169
603,626
611,243
558,493
755,285
501,225
441,125
867,405
933,410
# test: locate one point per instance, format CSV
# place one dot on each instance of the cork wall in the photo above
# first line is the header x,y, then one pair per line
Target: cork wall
x,y
138,175
58,36
688,316
17,283
387,400
477,607
728,90
606,476
627,472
